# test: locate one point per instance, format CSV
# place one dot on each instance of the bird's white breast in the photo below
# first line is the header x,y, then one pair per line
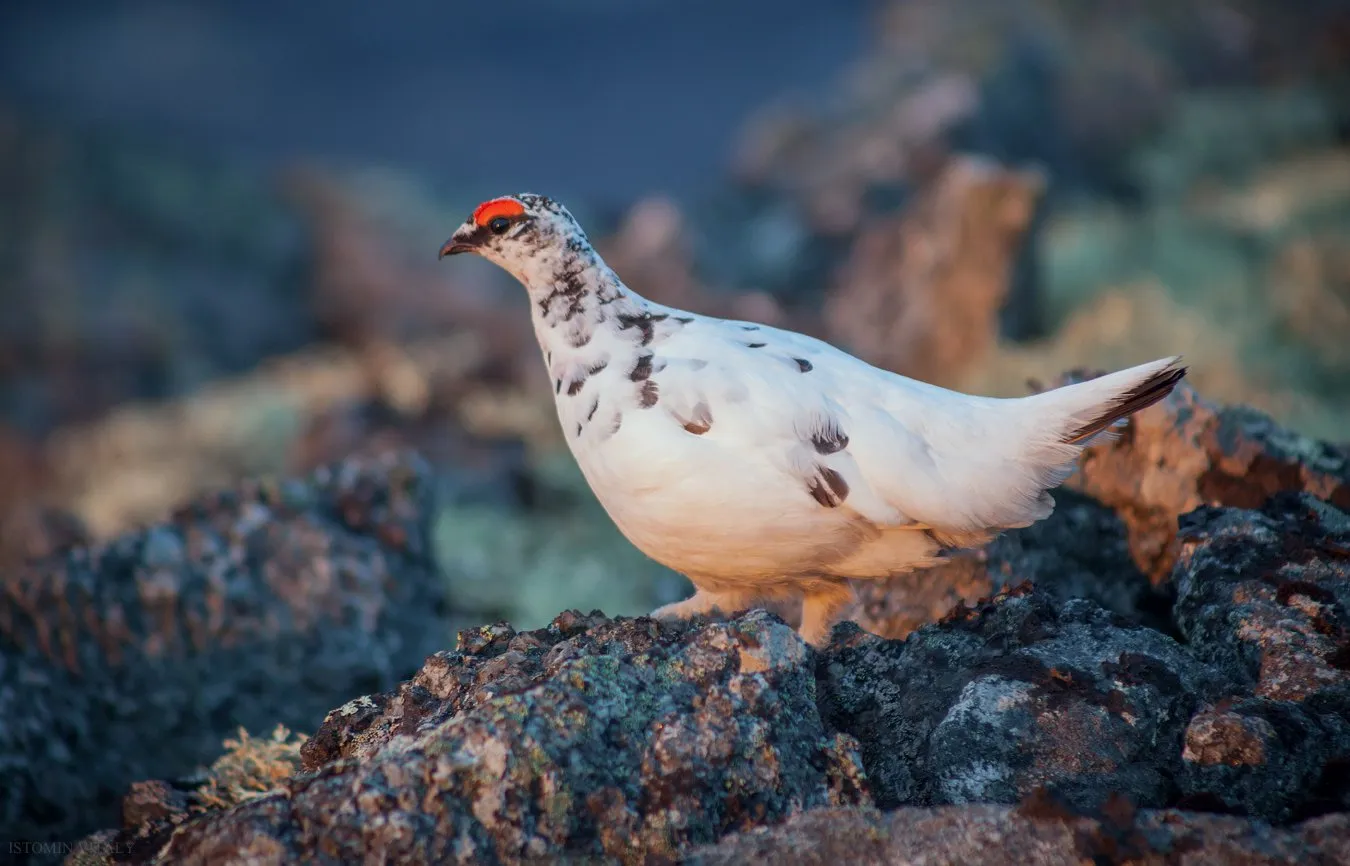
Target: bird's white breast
x,y
724,503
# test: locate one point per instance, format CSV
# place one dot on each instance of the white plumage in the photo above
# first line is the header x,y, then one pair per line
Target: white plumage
x,y
765,463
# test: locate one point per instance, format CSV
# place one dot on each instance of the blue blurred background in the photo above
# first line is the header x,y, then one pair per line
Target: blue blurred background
x,y
219,220
596,98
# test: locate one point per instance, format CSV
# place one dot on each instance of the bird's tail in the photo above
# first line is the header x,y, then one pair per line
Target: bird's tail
x,y
1067,419
1084,413
1046,432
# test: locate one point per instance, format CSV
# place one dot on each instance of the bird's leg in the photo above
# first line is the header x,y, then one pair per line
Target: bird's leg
x,y
821,609
703,601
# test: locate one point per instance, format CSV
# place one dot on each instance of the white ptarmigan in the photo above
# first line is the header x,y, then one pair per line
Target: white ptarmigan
x,y
762,463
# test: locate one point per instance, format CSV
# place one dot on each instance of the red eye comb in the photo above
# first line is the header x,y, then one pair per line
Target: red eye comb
x,y
497,207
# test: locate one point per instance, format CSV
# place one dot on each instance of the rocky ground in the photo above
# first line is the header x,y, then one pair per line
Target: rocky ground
x,y
1101,702
264,604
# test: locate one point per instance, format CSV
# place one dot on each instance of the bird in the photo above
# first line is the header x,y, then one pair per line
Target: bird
x,y
768,466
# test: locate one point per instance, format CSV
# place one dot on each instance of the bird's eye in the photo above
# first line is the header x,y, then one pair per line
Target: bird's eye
x,y
499,225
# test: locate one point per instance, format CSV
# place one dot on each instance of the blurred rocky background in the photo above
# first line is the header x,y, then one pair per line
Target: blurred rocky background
x,y
218,225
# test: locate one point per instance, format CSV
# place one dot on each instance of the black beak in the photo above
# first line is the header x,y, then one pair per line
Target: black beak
x,y
465,240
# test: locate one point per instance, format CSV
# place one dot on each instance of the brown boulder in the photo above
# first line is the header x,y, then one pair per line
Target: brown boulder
x,y
1186,452
921,292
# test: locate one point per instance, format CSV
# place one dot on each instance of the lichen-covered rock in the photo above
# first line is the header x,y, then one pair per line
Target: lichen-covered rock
x,y
1184,452
921,293
1263,596
623,739
1080,551
1274,760
152,802
1003,836
1022,692
630,740
268,603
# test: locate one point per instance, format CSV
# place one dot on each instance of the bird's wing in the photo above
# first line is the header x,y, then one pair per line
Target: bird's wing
x,y
846,434
930,457
781,408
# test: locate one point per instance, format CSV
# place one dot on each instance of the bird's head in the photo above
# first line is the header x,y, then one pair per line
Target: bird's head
x,y
525,234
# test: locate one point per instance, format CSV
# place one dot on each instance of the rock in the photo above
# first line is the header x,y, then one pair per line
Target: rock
x,y
153,801
621,739
630,740
1263,596
267,603
1022,692
1185,452
998,835
921,293
1080,551
1274,760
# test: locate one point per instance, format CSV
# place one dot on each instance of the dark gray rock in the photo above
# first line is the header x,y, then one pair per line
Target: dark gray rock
x,y
1274,760
1263,596
264,604
1022,692
624,739
1081,551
